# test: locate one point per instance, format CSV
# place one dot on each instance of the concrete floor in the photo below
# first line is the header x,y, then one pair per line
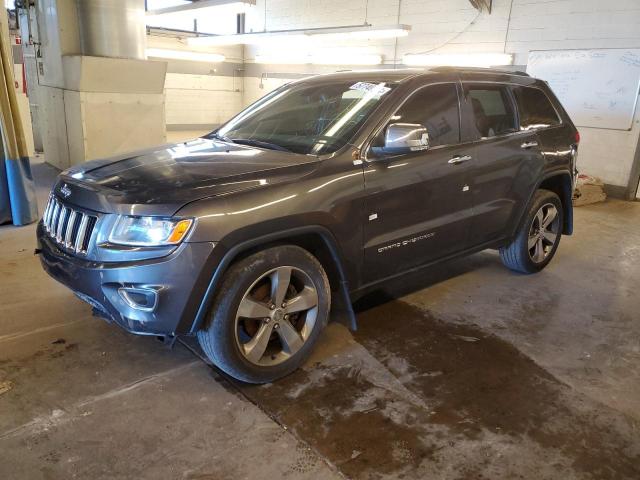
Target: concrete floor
x,y
467,371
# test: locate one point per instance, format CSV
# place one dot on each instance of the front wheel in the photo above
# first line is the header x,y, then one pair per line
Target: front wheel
x,y
267,315
537,240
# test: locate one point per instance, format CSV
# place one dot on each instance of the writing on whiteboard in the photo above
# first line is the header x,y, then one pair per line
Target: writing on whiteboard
x,y
598,88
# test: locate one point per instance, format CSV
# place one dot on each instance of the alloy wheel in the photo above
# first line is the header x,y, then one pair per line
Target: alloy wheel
x,y
543,233
276,316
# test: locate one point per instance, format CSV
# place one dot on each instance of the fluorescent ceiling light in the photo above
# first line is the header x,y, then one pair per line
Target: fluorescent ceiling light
x,y
320,57
333,33
185,55
282,58
372,34
200,4
459,59
339,59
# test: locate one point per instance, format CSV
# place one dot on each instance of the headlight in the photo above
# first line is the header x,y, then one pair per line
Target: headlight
x,y
149,231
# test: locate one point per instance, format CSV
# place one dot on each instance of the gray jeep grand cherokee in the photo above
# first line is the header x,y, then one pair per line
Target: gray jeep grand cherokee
x,y
249,236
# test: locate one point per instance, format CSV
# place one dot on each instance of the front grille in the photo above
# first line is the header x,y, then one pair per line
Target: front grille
x,y
71,229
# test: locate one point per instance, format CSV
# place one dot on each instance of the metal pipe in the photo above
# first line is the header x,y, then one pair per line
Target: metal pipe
x,y
177,32
112,28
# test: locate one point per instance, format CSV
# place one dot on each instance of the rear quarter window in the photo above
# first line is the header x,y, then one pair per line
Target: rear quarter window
x,y
535,108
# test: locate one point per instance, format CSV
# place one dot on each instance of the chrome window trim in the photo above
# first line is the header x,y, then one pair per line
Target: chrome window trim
x,y
511,84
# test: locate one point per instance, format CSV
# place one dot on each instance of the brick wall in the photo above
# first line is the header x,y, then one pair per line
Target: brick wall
x,y
534,24
444,25
201,99
198,94
455,26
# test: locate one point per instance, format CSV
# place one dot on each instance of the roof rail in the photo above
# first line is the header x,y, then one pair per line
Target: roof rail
x,y
479,70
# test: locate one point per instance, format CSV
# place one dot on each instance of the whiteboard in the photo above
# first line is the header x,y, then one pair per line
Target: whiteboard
x,y
598,88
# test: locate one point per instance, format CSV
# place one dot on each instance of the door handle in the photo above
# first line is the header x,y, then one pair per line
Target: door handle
x,y
527,145
459,159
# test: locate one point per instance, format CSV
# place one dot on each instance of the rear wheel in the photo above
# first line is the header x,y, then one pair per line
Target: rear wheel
x,y
267,314
537,240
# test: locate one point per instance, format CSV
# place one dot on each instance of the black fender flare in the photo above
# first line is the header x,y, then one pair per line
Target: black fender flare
x,y
342,306
567,194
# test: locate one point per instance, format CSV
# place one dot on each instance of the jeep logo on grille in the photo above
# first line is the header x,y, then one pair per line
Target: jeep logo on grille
x,y
65,190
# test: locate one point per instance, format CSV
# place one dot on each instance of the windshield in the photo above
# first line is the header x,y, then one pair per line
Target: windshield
x,y
309,119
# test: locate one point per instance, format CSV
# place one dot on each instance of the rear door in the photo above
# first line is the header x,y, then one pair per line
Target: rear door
x,y
418,209
537,113
507,160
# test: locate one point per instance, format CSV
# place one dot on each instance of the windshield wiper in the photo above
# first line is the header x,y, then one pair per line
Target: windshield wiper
x,y
259,143
219,137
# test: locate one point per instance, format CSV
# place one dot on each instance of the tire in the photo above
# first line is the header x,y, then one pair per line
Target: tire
x,y
244,318
533,247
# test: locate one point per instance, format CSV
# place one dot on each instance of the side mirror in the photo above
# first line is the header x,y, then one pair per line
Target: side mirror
x,y
405,138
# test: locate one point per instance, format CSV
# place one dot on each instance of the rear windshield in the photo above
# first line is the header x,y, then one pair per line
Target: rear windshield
x,y
536,110
309,119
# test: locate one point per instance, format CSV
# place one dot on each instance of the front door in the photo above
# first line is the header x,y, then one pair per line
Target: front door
x,y
417,204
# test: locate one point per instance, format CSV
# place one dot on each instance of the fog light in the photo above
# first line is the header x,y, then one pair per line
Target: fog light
x,y
140,298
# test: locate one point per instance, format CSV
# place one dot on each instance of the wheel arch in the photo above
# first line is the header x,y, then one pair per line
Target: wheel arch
x,y
561,184
316,239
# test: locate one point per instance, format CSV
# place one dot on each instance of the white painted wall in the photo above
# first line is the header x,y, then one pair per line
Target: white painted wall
x,y
447,25
254,87
608,154
516,27
196,93
201,99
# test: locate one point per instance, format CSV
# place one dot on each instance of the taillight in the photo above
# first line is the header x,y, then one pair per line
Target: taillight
x,y
577,137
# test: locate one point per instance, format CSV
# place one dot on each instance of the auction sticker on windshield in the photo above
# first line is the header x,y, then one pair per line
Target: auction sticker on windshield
x,y
376,88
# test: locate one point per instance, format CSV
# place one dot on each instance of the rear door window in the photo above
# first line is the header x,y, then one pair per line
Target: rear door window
x,y
493,112
535,108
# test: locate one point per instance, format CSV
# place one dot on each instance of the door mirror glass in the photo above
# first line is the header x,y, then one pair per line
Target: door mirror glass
x,y
405,137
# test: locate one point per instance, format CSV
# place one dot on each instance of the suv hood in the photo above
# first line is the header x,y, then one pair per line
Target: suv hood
x,y
161,180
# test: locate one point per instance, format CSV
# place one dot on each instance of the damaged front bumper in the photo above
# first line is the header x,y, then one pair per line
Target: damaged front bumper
x,y
145,297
